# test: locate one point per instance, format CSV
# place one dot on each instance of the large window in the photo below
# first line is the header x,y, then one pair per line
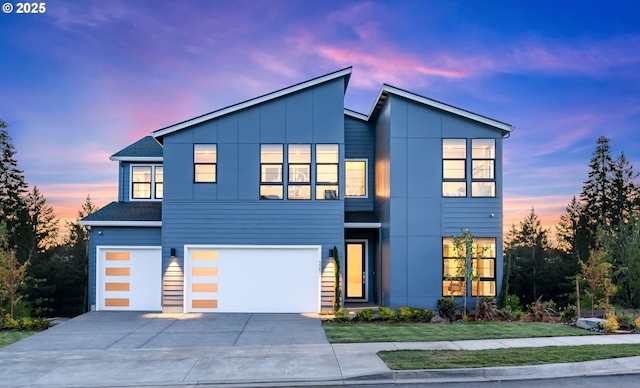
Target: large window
x,y
454,162
483,265
146,182
355,184
205,158
299,184
271,163
483,163
327,171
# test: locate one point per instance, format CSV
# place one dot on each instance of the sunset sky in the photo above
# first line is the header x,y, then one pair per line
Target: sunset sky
x,y
87,78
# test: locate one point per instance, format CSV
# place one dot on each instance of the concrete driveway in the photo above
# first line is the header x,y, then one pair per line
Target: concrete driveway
x,y
137,330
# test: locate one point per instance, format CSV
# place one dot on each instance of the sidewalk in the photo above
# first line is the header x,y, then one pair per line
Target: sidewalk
x,y
307,364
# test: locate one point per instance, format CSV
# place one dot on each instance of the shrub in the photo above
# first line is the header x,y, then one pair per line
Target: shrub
x,y
342,315
387,314
34,324
447,308
423,315
365,315
11,324
518,315
611,324
487,309
636,323
405,314
539,309
512,302
569,314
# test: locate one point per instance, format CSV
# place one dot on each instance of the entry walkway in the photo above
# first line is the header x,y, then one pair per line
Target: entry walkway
x,y
133,349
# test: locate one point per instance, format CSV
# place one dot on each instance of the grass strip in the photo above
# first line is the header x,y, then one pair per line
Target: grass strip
x,y
419,332
9,337
451,359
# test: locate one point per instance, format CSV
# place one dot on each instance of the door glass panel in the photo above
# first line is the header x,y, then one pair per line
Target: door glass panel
x,y
355,269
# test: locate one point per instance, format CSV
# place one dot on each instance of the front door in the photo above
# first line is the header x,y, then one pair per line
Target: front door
x,y
356,271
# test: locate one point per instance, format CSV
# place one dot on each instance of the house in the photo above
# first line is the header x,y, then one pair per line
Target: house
x,y
237,210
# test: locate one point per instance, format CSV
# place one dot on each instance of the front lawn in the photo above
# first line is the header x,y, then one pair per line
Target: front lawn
x,y
9,337
420,332
450,359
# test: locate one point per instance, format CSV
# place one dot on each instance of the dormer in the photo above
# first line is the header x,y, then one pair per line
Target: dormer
x,y
140,172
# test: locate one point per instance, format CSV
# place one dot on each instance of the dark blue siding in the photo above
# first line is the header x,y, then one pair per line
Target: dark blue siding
x,y
359,143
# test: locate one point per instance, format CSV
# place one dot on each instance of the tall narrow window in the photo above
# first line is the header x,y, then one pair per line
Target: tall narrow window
x,y
205,158
159,182
271,162
483,163
299,156
355,183
454,162
141,182
327,171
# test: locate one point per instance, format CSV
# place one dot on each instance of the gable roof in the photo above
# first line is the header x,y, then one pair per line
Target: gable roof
x,y
388,89
146,149
346,73
126,214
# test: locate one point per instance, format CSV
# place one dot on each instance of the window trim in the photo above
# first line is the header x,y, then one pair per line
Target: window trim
x,y
458,180
484,180
366,178
214,164
152,183
460,279
283,181
319,183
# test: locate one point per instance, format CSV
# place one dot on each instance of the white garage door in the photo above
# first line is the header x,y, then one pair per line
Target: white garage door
x,y
259,279
129,278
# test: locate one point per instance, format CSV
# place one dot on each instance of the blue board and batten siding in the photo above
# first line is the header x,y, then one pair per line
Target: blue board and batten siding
x,y
414,215
359,143
121,237
230,211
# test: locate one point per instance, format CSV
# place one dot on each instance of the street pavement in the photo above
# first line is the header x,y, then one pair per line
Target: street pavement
x,y
126,349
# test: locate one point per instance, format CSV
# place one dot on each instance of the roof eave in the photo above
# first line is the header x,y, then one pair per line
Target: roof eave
x,y
355,115
346,72
122,223
137,158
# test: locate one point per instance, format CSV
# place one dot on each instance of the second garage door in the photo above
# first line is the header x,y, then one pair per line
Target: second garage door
x,y
260,279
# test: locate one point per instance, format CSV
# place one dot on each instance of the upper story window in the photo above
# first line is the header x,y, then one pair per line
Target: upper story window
x,y
271,163
454,162
205,158
327,162
299,157
483,167
355,185
147,182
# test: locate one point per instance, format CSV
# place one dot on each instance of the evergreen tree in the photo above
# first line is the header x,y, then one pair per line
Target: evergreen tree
x,y
12,190
43,223
566,229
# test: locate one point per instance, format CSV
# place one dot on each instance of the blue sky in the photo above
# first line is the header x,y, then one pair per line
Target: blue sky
x,y
87,78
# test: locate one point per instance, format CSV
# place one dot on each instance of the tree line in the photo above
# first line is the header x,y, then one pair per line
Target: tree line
x,y
41,275
597,242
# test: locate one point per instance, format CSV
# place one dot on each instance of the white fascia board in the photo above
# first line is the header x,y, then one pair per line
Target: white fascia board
x,y
363,225
252,102
442,106
355,115
122,223
136,158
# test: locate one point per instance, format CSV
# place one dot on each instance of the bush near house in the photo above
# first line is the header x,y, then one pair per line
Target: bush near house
x,y
24,324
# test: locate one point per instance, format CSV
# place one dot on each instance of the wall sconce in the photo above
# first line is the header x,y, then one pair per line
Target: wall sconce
x,y
173,252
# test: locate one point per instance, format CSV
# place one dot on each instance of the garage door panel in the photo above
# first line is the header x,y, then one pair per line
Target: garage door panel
x,y
254,279
129,278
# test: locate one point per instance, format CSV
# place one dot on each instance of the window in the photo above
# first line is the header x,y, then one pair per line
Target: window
x,y
355,178
271,162
454,162
484,265
299,157
146,182
327,171
205,157
483,165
